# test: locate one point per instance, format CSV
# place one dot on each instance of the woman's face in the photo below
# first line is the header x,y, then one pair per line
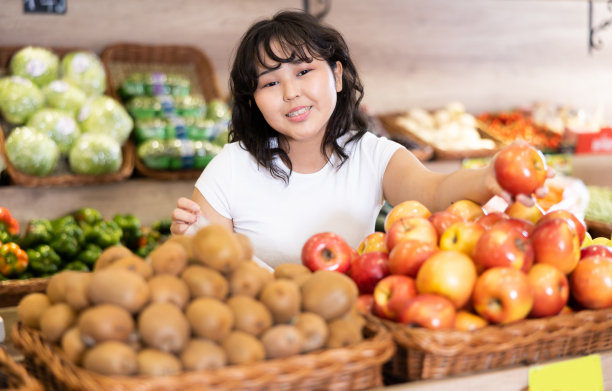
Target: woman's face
x,y
297,99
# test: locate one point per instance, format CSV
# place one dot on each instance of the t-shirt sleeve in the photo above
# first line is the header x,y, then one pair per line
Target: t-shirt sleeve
x,y
215,182
382,149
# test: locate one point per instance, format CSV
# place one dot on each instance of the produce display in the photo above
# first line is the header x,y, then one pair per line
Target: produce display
x,y
195,303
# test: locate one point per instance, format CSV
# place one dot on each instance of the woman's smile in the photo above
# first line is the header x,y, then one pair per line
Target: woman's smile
x,y
299,113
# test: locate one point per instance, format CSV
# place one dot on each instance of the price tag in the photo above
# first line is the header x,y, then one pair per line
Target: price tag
x,y
579,374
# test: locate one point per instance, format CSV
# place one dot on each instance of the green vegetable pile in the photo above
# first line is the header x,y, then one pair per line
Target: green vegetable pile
x,y
599,207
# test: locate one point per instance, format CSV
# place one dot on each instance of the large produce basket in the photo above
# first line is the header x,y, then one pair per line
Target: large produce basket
x,y
434,354
11,291
357,367
14,377
61,176
122,59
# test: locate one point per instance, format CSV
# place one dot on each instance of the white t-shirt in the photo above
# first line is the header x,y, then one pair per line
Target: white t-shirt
x,y
280,217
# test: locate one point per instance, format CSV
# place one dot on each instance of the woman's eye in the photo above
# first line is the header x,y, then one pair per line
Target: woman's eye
x,y
305,71
270,84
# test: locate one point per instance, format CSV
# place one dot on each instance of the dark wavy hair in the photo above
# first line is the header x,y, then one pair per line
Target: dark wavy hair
x,y
303,38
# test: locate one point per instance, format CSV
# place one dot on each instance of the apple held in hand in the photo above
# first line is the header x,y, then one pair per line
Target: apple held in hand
x,y
450,274
369,268
376,241
430,311
468,321
408,256
550,288
462,237
570,217
591,282
555,242
468,210
391,294
520,169
596,249
503,245
416,228
406,209
502,295
443,219
327,251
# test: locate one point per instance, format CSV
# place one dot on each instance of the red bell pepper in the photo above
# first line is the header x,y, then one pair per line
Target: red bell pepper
x,y
8,222
13,260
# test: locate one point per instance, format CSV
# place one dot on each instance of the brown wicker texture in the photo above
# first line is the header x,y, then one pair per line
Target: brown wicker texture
x,y
356,367
11,291
14,377
599,228
122,59
61,177
392,126
433,354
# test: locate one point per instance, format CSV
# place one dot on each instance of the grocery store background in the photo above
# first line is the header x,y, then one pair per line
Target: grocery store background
x,y
487,54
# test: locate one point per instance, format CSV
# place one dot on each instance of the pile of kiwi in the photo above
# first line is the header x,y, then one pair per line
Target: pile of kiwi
x,y
194,303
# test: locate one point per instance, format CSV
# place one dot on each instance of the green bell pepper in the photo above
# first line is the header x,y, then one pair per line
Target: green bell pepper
x,y
105,233
131,227
6,237
43,260
87,216
60,222
67,240
89,254
38,231
77,265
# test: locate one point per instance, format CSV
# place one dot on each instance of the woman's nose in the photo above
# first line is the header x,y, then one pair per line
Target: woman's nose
x,y
291,91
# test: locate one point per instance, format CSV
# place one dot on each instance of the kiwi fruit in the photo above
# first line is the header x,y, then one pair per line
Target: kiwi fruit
x,y
166,288
164,326
245,243
217,247
243,348
31,308
111,358
283,298
110,255
56,320
248,279
315,330
201,354
76,285
105,322
153,362
185,241
291,271
343,332
56,287
250,315
210,318
282,340
122,287
73,346
134,263
329,294
169,258
203,281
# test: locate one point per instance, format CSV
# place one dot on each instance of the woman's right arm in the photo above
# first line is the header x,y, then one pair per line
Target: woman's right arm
x,y
187,210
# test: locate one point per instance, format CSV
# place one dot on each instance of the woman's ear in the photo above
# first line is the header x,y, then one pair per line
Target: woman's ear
x,y
338,76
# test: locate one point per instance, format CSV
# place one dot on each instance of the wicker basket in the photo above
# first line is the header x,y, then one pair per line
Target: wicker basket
x,y
599,228
61,177
122,59
11,291
433,354
390,122
352,368
14,377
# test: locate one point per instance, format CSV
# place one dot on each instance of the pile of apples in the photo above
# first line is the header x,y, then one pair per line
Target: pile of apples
x,y
463,268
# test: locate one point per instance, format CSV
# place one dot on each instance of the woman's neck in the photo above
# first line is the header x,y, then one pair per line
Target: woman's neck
x,y
306,157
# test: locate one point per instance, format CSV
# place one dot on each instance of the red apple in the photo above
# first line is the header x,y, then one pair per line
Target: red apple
x,y
391,294
469,321
462,236
591,282
417,228
555,242
365,303
502,295
407,256
520,169
596,249
443,219
550,289
525,227
466,209
406,209
491,218
518,210
503,245
327,251
430,311
566,214
450,274
369,268
373,242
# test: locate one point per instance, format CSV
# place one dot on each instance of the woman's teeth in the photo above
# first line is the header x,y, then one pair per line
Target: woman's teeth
x,y
299,112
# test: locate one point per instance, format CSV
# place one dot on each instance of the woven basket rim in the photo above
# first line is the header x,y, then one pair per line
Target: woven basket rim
x,y
370,353
10,368
23,286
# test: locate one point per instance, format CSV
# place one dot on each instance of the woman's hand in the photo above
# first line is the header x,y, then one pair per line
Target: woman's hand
x,y
184,215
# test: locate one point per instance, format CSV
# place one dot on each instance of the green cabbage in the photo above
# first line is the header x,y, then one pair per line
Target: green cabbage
x,y
84,70
105,115
63,95
35,63
19,99
31,151
95,154
57,124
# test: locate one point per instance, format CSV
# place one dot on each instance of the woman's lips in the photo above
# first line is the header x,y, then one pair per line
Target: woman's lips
x,y
299,113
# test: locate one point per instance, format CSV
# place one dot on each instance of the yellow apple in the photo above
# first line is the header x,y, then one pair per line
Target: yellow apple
x,y
466,209
406,209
